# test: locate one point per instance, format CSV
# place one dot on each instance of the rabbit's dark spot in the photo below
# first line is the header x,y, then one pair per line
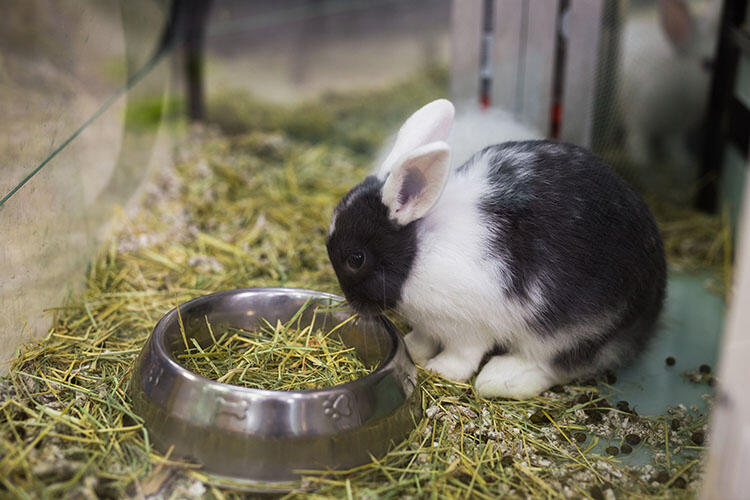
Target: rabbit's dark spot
x,y
581,248
497,350
584,351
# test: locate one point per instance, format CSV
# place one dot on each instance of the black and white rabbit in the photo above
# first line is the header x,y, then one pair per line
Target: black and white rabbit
x,y
533,251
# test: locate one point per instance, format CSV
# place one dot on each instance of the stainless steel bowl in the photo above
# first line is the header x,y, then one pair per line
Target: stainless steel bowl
x,y
266,437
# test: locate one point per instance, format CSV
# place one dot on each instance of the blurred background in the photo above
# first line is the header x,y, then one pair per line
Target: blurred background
x,y
154,120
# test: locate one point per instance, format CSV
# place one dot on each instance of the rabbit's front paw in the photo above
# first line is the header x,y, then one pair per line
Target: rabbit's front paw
x,y
421,347
454,365
450,367
512,377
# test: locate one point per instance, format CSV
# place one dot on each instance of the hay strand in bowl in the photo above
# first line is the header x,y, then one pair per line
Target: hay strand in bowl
x,y
277,356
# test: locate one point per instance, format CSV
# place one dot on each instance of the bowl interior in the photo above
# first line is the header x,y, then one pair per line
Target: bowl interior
x,y
372,342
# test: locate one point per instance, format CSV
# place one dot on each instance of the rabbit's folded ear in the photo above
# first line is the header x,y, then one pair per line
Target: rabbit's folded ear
x,y
416,182
430,123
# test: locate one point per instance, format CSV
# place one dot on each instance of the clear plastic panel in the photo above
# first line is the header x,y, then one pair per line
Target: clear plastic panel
x,y
82,99
84,96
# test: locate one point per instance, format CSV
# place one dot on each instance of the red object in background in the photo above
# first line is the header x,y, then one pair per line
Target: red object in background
x,y
484,101
556,120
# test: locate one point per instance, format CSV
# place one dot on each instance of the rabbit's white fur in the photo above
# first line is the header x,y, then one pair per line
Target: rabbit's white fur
x,y
461,308
451,238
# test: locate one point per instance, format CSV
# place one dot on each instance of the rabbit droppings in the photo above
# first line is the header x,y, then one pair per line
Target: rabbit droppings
x,y
534,252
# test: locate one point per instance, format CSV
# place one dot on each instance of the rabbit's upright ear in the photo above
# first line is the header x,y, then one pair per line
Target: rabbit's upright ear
x,y
678,23
416,182
430,123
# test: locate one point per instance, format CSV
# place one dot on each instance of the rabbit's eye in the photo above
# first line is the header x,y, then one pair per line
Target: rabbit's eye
x,y
355,260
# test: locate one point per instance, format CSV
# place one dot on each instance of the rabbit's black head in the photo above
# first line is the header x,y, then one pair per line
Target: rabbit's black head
x,y
371,254
372,241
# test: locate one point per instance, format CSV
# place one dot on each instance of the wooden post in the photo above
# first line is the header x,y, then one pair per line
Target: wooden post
x,y
729,454
506,54
466,32
539,64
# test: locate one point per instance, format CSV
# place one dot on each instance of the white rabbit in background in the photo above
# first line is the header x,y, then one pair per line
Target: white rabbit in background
x,y
473,130
667,51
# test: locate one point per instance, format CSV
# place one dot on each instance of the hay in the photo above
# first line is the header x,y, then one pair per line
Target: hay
x,y
252,210
280,357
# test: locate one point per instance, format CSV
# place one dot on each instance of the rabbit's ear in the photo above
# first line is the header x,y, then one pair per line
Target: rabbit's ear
x,y
416,182
430,123
677,22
